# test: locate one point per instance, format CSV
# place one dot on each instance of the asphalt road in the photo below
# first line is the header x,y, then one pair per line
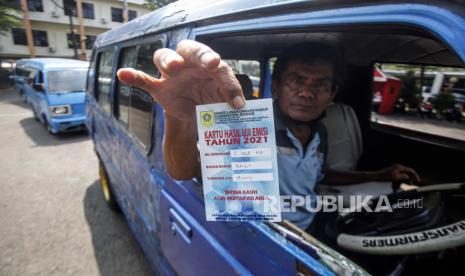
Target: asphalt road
x,y
53,220
432,126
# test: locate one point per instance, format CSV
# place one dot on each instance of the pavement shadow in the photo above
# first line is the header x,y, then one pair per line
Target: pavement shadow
x,y
10,96
37,132
116,250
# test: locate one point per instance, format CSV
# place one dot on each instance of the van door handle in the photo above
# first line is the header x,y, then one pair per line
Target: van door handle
x,y
179,226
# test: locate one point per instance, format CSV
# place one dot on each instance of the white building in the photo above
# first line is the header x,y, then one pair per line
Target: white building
x,y
51,27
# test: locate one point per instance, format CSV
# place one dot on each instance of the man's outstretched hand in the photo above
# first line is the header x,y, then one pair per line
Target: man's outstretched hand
x,y
193,74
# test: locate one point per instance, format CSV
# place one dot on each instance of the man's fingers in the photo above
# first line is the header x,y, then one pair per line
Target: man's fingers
x,y
412,174
403,176
167,61
198,54
229,85
139,80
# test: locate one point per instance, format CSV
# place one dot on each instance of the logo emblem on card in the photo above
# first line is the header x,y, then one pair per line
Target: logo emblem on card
x,y
207,118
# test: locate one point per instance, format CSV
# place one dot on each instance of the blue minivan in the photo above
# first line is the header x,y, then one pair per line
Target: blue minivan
x,y
55,90
167,216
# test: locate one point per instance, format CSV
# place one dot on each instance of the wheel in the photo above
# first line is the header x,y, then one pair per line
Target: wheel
x,y
438,223
36,117
23,96
108,195
48,127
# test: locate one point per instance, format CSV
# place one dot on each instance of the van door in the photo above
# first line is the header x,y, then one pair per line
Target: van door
x,y
34,96
103,133
40,102
134,112
223,248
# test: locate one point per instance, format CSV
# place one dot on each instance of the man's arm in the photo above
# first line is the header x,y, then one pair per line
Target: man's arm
x,y
394,174
180,152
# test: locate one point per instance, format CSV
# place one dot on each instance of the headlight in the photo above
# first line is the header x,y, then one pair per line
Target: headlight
x,y
60,110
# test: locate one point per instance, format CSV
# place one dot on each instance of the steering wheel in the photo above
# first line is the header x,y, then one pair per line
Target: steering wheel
x,y
427,219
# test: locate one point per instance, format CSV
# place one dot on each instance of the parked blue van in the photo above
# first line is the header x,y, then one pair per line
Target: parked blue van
x,y
55,90
20,77
167,216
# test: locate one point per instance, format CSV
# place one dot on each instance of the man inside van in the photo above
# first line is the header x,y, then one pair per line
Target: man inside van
x,y
304,81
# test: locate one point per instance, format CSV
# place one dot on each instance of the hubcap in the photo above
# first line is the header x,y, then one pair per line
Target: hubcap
x,y
104,183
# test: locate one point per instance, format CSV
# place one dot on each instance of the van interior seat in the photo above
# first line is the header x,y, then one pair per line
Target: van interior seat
x,y
345,146
344,137
246,84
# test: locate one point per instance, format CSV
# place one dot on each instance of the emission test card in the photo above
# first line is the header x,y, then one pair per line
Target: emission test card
x,y
238,159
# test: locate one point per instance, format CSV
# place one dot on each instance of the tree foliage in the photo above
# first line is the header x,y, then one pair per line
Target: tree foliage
x,y
445,100
410,90
9,10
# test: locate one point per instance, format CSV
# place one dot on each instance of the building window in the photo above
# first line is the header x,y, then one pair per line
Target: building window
x,y
71,42
132,14
19,36
35,5
90,40
39,37
70,7
88,10
116,14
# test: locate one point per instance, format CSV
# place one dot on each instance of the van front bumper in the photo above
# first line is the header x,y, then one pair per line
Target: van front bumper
x,y
57,124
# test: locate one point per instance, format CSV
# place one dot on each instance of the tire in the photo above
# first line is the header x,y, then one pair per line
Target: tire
x,y
107,191
23,96
48,127
36,117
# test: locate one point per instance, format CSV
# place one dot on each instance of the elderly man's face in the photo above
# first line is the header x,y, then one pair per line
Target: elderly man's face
x,y
304,90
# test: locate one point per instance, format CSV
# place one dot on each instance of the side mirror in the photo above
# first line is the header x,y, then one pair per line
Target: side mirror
x,y
39,87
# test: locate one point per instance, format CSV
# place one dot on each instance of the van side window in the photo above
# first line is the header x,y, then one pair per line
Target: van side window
x,y
426,99
40,77
248,74
134,108
105,64
128,59
31,74
145,59
90,78
140,117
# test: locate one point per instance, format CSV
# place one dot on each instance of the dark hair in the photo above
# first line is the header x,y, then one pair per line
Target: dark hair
x,y
311,53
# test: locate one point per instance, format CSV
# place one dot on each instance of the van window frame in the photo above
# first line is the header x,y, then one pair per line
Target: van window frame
x,y
160,39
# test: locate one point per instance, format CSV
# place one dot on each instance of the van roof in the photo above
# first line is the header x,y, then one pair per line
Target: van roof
x,y
213,12
54,63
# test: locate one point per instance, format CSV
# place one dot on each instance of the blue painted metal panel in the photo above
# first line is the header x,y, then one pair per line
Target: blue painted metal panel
x,y
445,24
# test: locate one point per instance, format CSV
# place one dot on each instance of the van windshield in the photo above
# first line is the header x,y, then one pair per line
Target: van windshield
x,y
66,81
